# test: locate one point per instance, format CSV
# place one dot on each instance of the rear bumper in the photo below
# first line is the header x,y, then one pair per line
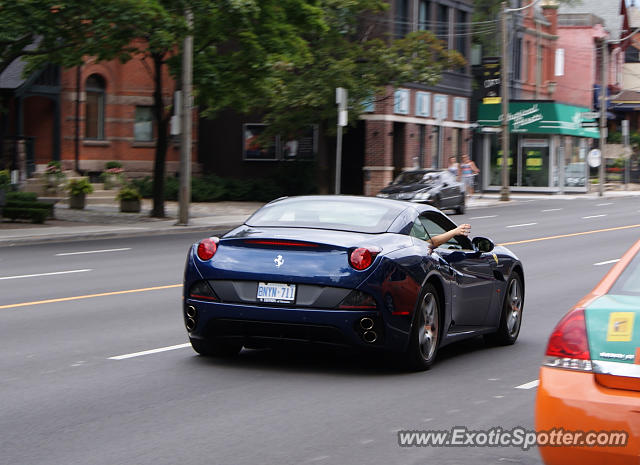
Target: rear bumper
x,y
272,324
574,401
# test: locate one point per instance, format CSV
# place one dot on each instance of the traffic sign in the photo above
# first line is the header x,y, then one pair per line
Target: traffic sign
x,y
594,158
590,115
589,124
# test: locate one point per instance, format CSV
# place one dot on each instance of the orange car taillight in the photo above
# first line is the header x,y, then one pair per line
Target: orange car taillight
x,y
568,345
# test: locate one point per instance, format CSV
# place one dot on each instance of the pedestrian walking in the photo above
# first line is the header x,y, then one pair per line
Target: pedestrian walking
x,y
453,166
468,170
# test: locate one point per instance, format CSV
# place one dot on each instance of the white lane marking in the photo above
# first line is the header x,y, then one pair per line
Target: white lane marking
x,y
593,216
148,352
493,379
498,397
529,385
552,210
607,262
521,225
92,251
604,204
45,274
366,441
482,217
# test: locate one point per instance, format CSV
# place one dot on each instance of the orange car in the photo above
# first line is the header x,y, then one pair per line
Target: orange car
x,y
589,391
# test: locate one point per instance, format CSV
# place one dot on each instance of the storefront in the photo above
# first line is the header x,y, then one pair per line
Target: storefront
x,y
548,146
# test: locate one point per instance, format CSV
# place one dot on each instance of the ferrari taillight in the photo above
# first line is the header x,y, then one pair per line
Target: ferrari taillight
x,y
358,300
207,248
202,290
568,345
362,257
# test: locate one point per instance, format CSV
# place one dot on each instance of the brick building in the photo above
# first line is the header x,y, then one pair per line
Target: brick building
x,y
415,125
84,116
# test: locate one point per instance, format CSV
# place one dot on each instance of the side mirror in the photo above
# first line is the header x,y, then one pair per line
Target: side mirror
x,y
482,244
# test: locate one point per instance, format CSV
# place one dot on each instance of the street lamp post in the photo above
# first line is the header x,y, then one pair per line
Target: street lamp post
x,y
504,192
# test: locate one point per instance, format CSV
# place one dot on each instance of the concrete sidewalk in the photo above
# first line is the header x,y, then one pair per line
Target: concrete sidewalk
x,y
101,221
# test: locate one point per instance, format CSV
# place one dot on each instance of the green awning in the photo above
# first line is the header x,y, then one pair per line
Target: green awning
x,y
536,117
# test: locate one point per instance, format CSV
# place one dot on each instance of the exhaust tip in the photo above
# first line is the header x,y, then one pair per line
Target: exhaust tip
x,y
370,337
191,311
191,324
366,323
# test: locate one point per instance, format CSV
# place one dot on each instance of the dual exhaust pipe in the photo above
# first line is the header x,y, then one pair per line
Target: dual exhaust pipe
x,y
191,317
367,324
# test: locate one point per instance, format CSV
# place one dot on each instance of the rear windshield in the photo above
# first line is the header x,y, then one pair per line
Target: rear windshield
x,y
340,213
629,280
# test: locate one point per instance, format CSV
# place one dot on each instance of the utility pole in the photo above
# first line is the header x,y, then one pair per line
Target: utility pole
x,y
504,192
603,115
186,123
341,101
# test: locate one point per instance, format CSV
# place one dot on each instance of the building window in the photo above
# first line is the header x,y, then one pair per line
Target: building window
x,y
369,104
402,18
94,107
462,33
423,15
459,109
517,62
559,62
143,126
401,102
443,23
440,103
423,104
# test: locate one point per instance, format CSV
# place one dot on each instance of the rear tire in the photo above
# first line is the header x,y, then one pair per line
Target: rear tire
x,y
511,316
215,347
425,333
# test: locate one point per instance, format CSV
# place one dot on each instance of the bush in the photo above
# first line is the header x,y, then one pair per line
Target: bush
x,y
36,215
143,185
79,186
128,193
30,204
5,180
22,196
112,164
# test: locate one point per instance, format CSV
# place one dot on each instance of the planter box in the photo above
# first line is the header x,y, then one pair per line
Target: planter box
x,y
130,206
77,201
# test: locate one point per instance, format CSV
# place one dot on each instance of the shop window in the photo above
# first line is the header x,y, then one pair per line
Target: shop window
x,y
94,107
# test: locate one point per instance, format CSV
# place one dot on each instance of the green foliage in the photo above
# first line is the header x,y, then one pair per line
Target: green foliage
x,y
31,204
5,180
614,138
19,196
79,186
128,193
36,215
112,164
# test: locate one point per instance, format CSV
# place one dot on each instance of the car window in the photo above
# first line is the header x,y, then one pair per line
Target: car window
x,y
628,283
418,231
436,223
448,177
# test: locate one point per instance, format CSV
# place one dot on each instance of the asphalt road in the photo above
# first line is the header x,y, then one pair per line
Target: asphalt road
x,y
65,400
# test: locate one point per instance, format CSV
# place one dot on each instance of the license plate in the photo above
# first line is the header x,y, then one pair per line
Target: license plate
x,y
278,293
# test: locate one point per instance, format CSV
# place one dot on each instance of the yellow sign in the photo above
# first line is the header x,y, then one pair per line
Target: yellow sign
x,y
491,100
620,326
495,257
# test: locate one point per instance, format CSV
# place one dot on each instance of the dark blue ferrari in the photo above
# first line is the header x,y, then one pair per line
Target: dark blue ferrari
x,y
349,271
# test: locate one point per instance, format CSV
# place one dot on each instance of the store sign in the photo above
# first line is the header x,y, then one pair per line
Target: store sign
x,y
534,117
491,80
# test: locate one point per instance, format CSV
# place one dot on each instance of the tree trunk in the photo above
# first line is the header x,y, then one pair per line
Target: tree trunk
x,y
161,138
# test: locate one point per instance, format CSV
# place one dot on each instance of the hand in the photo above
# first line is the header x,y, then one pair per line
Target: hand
x,y
463,230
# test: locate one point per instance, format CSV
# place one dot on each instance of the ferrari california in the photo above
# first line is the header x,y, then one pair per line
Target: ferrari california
x,y
349,271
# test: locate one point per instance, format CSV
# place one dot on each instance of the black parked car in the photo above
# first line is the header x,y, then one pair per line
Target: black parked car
x,y
434,187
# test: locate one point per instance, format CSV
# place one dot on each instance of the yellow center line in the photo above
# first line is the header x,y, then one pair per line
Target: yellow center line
x,y
170,286
560,236
89,296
